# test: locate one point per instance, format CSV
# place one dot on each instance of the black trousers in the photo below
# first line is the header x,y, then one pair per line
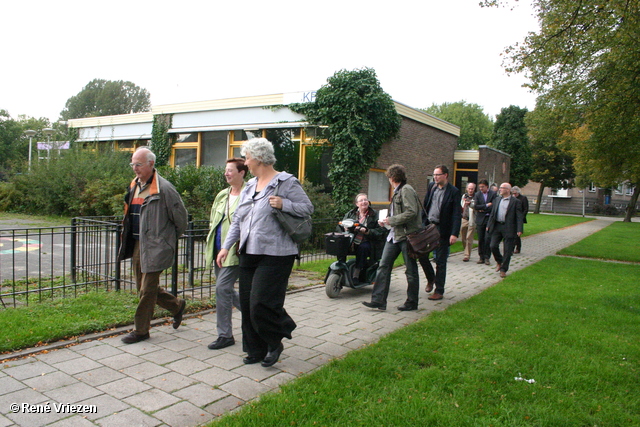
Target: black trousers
x,y
263,282
499,234
484,240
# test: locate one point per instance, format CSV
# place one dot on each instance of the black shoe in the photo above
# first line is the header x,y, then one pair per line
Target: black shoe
x,y
407,307
374,305
132,338
272,356
250,360
177,319
221,342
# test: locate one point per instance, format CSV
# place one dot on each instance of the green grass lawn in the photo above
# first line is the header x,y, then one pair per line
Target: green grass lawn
x,y
618,241
575,337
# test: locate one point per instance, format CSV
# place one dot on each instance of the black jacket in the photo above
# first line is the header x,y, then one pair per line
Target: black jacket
x,y
450,212
377,235
513,217
482,210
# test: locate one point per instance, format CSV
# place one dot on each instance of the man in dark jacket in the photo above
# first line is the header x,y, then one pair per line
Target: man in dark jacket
x,y
483,203
505,223
524,204
442,207
154,218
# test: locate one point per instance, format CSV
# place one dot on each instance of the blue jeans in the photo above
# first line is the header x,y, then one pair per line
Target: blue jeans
x,y
439,276
383,275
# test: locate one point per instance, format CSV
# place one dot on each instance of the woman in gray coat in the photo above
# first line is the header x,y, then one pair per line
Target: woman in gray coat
x,y
267,252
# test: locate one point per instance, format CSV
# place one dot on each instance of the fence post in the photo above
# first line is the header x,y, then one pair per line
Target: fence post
x,y
190,248
73,250
118,273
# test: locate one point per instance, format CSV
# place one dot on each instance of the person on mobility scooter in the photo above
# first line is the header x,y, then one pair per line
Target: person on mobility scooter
x,y
360,235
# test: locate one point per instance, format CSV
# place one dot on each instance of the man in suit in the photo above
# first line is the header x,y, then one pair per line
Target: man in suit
x,y
524,203
505,223
483,203
441,207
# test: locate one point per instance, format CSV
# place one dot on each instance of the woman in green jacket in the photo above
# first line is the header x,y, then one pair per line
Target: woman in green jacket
x,y
222,211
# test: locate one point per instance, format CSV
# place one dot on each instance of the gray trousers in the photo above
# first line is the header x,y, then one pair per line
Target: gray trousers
x,y
226,298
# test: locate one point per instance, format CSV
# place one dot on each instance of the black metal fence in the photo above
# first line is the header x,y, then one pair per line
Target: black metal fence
x,y
61,262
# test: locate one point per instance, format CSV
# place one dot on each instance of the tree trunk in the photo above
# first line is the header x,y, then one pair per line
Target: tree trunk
x,y
540,191
631,209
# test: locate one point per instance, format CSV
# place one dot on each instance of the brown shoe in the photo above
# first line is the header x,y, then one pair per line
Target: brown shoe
x,y
498,267
132,338
429,287
465,259
517,251
503,274
480,261
435,297
487,261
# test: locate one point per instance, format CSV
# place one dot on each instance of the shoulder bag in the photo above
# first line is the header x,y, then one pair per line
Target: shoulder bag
x,y
423,241
298,227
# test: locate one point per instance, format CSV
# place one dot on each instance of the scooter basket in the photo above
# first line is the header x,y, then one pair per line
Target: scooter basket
x,y
337,244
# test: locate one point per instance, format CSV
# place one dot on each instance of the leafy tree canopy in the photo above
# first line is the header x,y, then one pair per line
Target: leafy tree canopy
x,y
475,125
105,98
510,136
585,60
14,144
360,117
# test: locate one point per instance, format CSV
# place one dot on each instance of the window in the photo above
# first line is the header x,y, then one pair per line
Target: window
x,y
286,145
378,186
619,189
185,149
560,192
592,188
628,189
214,148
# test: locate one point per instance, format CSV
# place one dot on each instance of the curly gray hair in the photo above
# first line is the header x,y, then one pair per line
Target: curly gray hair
x,y
260,149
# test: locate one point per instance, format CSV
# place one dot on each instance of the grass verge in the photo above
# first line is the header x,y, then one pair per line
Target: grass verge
x,y
546,323
618,241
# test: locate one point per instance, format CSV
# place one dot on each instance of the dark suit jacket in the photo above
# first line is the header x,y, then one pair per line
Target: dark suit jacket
x,y
450,212
481,207
524,203
513,217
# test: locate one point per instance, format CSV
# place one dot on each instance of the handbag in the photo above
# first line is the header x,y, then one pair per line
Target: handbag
x,y
423,241
299,228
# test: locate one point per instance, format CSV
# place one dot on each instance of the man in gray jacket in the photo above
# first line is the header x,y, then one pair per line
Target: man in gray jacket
x,y
154,218
404,218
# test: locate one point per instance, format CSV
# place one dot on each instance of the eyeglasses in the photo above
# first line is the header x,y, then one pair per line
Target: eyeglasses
x,y
438,174
137,165
504,188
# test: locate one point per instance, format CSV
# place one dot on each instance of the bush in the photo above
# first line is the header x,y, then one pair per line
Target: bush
x,y
8,196
76,183
599,209
197,186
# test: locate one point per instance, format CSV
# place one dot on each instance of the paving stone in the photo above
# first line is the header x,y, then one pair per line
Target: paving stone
x,y
124,387
224,405
121,361
201,394
77,365
50,381
99,376
145,371
73,421
244,388
105,405
184,414
162,357
187,366
29,370
130,417
8,385
214,376
25,395
57,356
99,352
73,393
171,382
151,400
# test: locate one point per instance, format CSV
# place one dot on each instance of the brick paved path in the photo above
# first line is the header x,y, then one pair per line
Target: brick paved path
x,y
173,379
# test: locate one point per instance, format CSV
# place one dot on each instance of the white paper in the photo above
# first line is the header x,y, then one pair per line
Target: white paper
x,y
382,214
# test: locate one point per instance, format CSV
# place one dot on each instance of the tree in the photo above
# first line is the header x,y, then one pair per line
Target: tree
x,y
510,136
585,59
360,117
475,125
105,98
14,144
552,164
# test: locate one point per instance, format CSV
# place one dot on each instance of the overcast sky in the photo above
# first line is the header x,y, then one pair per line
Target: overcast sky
x,y
423,51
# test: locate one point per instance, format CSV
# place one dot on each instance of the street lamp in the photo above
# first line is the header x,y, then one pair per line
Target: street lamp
x,y
30,133
48,132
